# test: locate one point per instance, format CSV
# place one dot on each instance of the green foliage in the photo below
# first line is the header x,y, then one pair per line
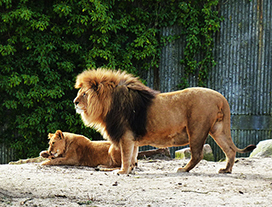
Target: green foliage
x,y
45,44
200,21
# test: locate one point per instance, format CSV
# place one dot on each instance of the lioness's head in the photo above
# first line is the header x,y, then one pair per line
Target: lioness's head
x,y
56,144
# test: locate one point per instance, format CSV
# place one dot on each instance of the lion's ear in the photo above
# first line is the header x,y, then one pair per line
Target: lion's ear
x,y
79,82
94,85
59,134
78,85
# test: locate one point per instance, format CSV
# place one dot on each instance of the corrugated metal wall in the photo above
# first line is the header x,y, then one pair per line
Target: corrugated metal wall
x,y
244,68
243,72
6,154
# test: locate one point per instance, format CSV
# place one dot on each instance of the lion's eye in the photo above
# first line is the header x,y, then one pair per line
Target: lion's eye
x,y
53,143
84,94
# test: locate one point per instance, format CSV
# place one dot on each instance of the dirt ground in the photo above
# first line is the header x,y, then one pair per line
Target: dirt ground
x,y
154,183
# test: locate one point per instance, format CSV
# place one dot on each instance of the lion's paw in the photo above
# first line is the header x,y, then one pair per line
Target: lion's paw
x,y
44,154
181,170
120,172
225,171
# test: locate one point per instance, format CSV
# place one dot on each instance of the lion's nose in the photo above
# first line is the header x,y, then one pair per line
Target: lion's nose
x,y
76,102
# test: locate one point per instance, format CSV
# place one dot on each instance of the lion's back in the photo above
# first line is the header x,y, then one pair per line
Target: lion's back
x,y
78,144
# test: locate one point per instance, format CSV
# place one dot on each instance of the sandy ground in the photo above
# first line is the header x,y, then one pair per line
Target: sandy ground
x,y
154,183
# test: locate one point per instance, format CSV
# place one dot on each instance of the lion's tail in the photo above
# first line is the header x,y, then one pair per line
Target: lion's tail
x,y
249,148
226,112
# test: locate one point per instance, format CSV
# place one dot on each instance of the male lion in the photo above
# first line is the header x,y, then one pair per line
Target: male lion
x,y
73,149
130,114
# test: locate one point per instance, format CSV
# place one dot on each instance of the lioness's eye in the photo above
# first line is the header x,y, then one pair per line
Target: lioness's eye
x,y
53,143
84,94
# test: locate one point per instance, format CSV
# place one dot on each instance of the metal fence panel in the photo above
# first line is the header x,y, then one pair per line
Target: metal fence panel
x,y
6,154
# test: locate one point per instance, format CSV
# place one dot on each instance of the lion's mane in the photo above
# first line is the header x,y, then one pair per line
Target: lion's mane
x,y
124,99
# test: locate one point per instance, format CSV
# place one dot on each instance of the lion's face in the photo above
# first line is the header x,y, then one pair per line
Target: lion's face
x,y
56,144
88,105
81,101
94,98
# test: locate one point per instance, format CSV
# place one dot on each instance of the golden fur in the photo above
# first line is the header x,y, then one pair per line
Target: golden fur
x,y
72,149
113,103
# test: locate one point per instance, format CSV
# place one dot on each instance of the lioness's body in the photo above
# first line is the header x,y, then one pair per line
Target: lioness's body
x,y
130,115
73,149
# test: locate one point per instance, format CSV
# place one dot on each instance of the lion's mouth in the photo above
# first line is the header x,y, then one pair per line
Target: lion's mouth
x,y
55,154
79,110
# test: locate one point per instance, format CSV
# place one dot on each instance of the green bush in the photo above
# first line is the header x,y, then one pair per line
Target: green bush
x,y
44,44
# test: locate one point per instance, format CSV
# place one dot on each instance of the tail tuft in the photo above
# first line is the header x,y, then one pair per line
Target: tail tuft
x,y
249,148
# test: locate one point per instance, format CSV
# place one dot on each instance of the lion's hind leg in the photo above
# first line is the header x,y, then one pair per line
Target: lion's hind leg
x,y
197,141
224,141
230,153
196,157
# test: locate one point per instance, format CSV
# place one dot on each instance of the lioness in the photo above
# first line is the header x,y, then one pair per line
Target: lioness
x,y
130,114
73,149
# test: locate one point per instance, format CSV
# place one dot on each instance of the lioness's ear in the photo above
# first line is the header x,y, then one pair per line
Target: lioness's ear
x,y
59,134
50,135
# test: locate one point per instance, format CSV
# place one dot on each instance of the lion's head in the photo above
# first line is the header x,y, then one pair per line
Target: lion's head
x,y
56,144
94,97
112,102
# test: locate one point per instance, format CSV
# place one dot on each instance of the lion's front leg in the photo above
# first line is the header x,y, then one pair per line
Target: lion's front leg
x,y
134,160
59,161
127,149
44,154
56,161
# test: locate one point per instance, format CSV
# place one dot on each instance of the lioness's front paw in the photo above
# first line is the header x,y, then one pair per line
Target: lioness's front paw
x,y
45,162
181,170
44,154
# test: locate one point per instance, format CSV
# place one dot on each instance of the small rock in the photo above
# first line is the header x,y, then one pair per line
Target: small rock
x,y
263,149
186,153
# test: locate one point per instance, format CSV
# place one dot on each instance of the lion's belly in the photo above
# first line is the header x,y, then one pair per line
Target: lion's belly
x,y
165,139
